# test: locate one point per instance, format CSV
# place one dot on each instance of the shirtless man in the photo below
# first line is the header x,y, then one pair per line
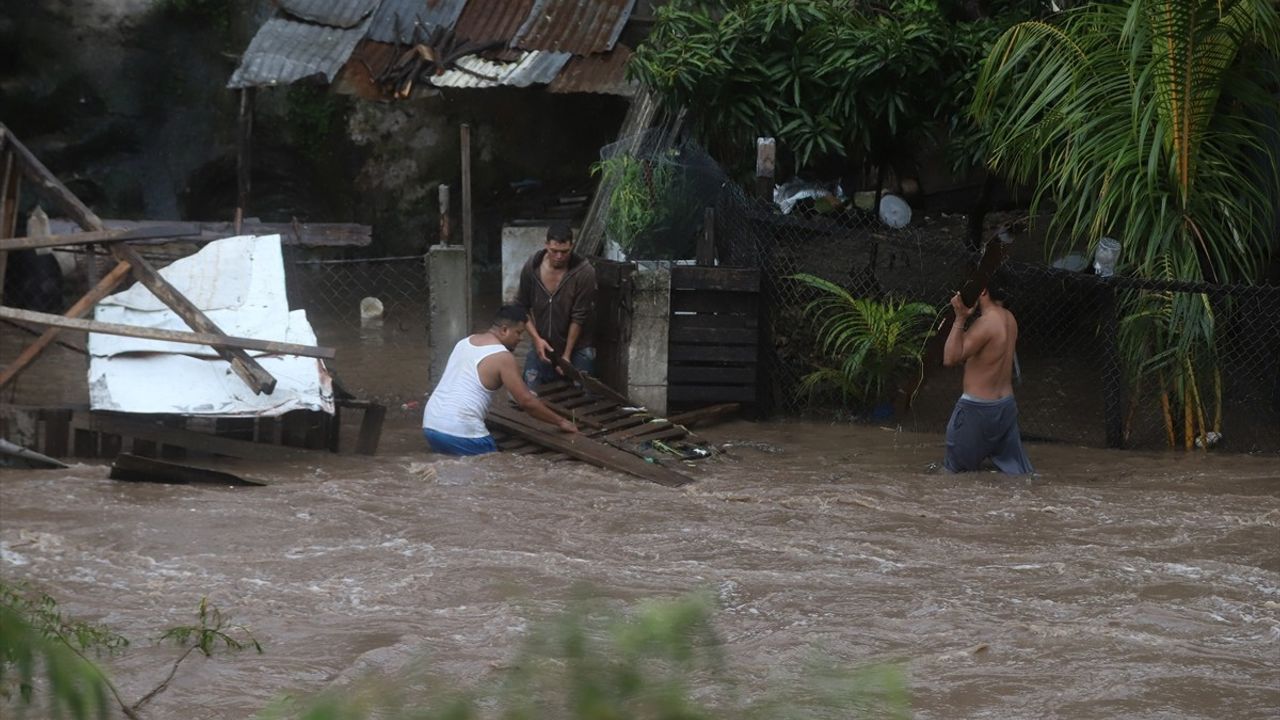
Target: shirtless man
x,y
479,366
984,423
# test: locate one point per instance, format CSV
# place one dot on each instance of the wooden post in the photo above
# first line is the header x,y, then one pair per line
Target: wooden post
x,y
8,206
244,138
466,212
707,242
444,214
766,166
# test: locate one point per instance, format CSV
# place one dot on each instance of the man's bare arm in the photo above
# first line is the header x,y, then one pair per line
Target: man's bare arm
x,y
529,402
962,345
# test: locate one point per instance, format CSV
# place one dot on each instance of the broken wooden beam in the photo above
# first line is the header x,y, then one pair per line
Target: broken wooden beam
x,y
213,340
298,234
82,306
244,366
96,236
692,417
583,448
248,369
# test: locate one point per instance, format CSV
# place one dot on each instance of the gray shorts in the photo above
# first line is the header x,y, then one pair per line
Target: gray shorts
x,y
981,429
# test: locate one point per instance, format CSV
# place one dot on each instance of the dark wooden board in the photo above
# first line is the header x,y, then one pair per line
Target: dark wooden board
x,y
715,278
702,375
679,353
715,336
710,393
139,469
714,301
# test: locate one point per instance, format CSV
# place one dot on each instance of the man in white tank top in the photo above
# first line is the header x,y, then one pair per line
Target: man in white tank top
x,y
479,366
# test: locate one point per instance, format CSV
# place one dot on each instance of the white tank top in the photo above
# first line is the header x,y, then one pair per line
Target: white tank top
x,y
460,401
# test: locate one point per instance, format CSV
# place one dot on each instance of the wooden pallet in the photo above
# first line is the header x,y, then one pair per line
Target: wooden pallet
x,y
615,434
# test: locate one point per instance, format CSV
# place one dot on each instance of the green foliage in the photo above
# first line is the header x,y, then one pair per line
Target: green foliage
x,y
639,193
38,645
871,343
1151,121
826,77
662,661
211,629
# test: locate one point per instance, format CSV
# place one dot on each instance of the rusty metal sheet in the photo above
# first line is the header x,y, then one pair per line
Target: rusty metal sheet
x,y
334,13
429,13
486,21
285,51
534,68
580,27
604,73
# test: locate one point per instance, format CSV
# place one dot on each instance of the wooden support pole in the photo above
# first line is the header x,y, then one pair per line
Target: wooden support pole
x,y
466,211
214,340
82,306
8,204
706,254
244,141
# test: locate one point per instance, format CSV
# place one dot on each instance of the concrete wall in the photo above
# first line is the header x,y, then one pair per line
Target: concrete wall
x,y
518,243
446,271
651,323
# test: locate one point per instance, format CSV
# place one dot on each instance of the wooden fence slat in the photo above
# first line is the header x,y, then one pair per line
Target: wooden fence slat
x,y
715,336
679,353
685,277
710,393
732,303
701,375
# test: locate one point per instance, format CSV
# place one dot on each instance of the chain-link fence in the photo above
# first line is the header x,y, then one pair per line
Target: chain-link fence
x,y
1100,361
374,312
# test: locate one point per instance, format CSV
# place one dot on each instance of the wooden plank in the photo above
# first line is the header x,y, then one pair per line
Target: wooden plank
x,y
668,433
712,320
298,234
593,408
711,393
702,375
248,369
31,330
57,427
690,277
714,301
678,353
568,414
177,336
705,413
586,381
584,448
628,421
192,440
715,336
96,236
8,203
652,426
555,386
85,443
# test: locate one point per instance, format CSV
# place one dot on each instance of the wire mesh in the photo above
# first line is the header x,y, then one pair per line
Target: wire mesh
x,y
1076,384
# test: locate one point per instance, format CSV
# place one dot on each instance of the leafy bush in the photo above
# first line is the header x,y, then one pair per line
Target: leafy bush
x,y
869,343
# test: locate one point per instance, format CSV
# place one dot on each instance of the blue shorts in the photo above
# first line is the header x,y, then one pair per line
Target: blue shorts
x,y
454,445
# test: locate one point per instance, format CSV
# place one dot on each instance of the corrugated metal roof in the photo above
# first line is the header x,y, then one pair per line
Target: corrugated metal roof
x,y
285,51
534,68
334,13
486,21
429,12
600,73
581,27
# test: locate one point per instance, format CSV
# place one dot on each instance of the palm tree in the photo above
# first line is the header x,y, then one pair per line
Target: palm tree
x,y
1150,121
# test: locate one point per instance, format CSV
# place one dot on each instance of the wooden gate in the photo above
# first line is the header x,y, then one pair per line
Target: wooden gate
x,y
714,345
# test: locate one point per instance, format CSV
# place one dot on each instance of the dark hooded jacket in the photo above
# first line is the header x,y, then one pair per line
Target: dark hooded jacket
x,y
573,301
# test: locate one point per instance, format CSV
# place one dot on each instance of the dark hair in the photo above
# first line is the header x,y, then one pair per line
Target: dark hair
x,y
560,232
510,315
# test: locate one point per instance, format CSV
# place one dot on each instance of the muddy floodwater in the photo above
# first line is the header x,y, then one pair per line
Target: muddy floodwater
x,y
1115,585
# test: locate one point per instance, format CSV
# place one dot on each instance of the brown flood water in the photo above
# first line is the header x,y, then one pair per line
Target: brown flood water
x,y
1117,584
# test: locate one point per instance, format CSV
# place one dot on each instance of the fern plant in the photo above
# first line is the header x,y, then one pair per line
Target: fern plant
x,y
865,345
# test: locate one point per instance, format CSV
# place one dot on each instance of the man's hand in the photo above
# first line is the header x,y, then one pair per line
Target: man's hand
x,y
962,311
542,347
567,427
